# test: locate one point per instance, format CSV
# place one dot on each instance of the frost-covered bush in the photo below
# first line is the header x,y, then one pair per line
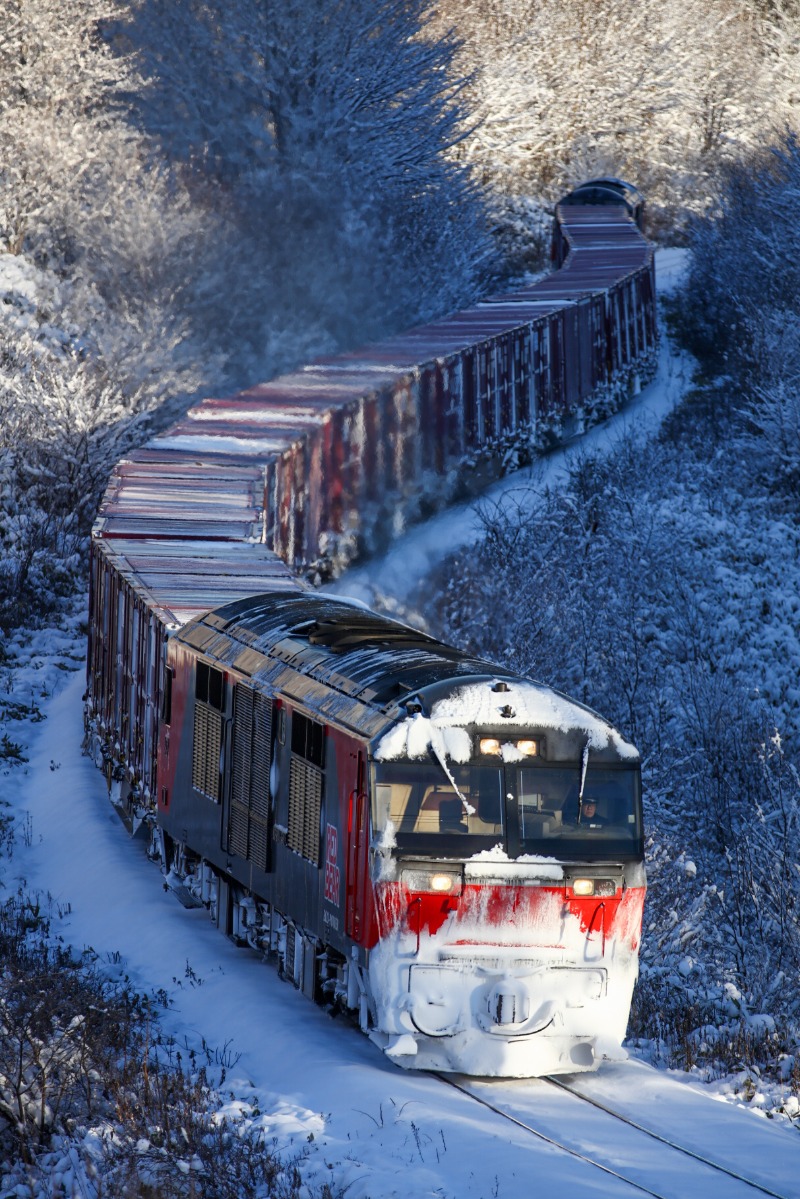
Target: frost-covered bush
x,y
53,1040
742,303
773,432
94,1099
740,312
65,418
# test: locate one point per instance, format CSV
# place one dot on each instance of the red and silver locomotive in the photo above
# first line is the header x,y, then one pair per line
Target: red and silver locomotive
x,y
452,852
407,828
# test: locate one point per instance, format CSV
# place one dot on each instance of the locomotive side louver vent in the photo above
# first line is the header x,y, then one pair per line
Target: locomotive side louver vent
x,y
305,787
206,751
248,831
209,705
305,802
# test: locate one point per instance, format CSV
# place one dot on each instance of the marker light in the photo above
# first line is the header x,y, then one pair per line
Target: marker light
x,y
442,882
490,745
583,886
528,749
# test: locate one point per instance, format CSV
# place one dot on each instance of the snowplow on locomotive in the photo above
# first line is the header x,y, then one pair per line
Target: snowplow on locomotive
x,y
407,829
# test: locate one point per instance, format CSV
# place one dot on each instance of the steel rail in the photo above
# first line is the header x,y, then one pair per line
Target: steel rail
x,y
644,1190
657,1136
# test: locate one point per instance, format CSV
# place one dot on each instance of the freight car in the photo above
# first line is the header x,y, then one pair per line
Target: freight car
x,y
608,190
291,478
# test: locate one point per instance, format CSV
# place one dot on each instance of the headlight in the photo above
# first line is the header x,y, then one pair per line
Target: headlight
x,y
594,886
442,882
490,745
528,749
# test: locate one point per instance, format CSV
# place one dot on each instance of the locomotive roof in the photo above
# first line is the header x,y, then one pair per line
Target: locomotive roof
x,y
367,671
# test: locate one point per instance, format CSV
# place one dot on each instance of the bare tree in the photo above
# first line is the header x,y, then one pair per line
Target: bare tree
x,y
327,134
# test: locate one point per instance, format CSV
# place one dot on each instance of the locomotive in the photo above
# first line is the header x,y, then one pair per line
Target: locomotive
x,y
448,851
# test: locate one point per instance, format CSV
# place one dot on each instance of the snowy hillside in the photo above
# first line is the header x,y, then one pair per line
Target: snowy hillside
x,y
195,197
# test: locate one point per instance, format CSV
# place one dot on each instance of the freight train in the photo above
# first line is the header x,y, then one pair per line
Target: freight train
x,y
450,852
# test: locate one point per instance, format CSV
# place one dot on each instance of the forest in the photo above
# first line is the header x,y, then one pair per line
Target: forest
x,y
196,197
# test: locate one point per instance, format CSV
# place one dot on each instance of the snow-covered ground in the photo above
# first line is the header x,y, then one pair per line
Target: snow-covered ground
x,y
321,1087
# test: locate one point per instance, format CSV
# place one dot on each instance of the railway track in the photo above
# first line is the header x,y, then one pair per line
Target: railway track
x,y
649,1163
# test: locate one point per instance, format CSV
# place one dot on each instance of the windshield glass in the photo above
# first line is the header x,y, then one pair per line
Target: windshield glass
x,y
425,809
523,809
551,821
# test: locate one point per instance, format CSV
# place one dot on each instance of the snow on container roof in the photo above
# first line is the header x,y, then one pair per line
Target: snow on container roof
x,y
181,579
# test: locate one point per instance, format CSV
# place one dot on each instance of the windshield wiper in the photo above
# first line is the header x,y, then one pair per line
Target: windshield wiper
x,y
441,758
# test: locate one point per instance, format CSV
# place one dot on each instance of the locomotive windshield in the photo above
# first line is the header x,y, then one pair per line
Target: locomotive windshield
x,y
524,809
555,818
427,812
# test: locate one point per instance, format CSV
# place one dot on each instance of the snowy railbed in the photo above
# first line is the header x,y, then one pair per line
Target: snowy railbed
x,y
312,1086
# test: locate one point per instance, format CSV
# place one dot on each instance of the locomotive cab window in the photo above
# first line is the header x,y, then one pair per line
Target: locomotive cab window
x,y
426,812
209,686
529,809
166,696
554,817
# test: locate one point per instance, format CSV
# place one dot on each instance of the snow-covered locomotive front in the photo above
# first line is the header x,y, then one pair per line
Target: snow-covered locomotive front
x,y
451,851
507,843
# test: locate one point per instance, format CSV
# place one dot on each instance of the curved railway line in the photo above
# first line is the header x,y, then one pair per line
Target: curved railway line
x,y
672,1180
287,753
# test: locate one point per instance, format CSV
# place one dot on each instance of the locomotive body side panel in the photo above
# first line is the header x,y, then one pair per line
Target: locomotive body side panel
x,y
193,761
276,822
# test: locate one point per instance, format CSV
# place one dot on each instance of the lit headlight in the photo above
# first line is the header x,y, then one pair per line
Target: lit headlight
x,y
594,886
490,745
528,749
443,882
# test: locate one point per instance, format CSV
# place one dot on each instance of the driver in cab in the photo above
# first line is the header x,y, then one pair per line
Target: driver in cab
x,y
589,817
